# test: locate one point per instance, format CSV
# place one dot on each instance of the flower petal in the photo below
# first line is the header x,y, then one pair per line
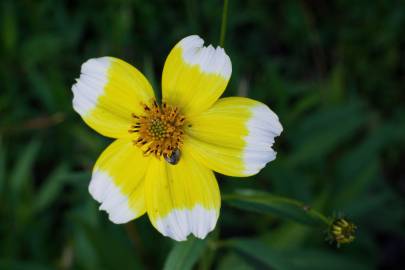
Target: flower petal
x,y
106,94
234,137
194,77
182,199
118,181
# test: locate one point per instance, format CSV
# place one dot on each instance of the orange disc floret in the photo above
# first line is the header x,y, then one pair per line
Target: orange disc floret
x,y
160,129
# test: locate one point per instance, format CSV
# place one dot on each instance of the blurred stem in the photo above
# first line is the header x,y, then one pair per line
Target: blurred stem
x,y
133,235
67,258
192,15
40,122
223,23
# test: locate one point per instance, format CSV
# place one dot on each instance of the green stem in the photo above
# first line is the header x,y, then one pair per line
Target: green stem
x,y
321,217
133,235
275,204
308,210
223,23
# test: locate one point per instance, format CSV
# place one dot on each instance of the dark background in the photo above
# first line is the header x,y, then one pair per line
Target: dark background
x,y
332,70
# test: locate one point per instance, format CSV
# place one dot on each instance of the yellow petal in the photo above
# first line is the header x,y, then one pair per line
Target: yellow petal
x,y
182,199
106,94
118,181
194,77
234,137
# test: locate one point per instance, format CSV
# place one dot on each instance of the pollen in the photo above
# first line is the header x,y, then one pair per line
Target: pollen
x,y
159,129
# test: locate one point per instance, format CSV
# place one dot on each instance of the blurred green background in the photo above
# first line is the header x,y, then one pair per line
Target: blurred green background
x,y
332,70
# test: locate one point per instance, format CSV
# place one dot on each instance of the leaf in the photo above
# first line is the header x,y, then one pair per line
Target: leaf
x,y
315,259
43,91
22,265
51,188
353,186
276,205
308,259
2,167
23,169
41,48
289,235
360,166
185,254
322,132
104,247
258,251
235,262
9,29
302,106
336,87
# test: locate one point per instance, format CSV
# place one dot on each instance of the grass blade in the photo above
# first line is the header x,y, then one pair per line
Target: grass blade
x,y
184,255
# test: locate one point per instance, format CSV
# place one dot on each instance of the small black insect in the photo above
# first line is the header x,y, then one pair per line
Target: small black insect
x,y
174,158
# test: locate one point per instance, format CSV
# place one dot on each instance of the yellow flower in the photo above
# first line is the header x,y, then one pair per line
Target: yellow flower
x,y
164,155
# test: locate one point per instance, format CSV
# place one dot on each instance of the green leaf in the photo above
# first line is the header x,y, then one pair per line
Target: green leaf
x,y
41,48
324,131
22,171
51,188
185,254
308,259
235,262
43,91
315,259
360,166
104,247
336,88
22,265
276,205
289,235
261,253
2,167
9,29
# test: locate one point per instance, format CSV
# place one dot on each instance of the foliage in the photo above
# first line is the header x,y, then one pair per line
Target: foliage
x,y
332,71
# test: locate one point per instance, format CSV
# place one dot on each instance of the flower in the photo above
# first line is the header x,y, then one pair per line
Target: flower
x,y
342,231
164,155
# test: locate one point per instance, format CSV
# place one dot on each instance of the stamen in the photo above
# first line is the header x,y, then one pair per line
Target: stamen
x,y
160,130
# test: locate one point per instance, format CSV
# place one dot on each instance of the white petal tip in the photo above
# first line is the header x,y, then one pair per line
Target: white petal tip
x,y
209,59
103,190
179,224
90,85
263,127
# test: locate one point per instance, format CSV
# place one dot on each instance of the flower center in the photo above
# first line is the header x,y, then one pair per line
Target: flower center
x,y
342,231
160,130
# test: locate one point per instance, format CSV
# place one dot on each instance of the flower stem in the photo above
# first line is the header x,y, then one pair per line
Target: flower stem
x,y
282,206
223,23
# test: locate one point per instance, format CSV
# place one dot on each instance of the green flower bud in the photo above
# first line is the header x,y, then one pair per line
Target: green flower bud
x,y
342,231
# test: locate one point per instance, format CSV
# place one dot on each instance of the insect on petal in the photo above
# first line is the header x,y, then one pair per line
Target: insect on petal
x,y
182,199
